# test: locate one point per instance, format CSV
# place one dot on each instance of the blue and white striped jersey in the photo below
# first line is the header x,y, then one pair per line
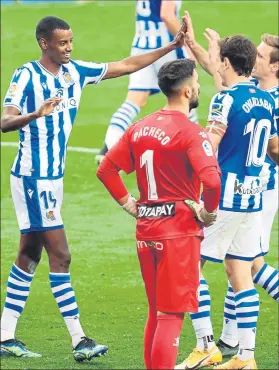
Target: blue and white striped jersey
x,y
249,114
151,31
43,142
269,173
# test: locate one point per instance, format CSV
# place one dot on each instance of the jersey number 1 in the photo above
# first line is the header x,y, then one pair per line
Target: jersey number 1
x,y
147,160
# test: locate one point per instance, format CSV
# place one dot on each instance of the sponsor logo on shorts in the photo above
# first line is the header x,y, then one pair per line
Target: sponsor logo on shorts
x,y
254,188
50,216
142,245
156,210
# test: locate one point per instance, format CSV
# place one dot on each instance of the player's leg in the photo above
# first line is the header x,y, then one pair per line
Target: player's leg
x,y
147,259
56,246
263,274
22,272
177,287
217,239
18,289
239,260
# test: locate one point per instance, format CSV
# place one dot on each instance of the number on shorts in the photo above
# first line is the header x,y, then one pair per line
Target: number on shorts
x,y
147,159
48,198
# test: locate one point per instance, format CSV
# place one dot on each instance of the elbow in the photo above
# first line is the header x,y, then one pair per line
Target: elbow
x,y
3,126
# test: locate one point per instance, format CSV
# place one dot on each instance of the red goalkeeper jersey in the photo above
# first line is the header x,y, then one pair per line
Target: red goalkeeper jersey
x,y
167,151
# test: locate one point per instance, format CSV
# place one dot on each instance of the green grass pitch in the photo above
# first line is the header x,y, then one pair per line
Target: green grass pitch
x,y
105,270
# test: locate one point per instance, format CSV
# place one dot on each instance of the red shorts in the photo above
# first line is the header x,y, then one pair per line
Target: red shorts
x,y
171,273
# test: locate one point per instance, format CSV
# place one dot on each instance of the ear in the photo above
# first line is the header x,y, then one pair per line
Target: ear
x,y
227,63
43,43
188,92
274,67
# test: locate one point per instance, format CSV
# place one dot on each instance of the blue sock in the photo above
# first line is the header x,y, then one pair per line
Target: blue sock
x,y
120,121
18,289
247,312
65,298
229,333
201,320
268,278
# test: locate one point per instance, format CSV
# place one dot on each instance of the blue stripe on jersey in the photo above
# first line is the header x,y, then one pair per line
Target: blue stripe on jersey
x,y
73,111
34,132
32,202
61,140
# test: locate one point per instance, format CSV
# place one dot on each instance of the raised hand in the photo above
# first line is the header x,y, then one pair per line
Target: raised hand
x,y
48,106
179,39
190,34
213,39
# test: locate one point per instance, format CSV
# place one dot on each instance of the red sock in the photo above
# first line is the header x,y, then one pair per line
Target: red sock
x,y
149,332
166,341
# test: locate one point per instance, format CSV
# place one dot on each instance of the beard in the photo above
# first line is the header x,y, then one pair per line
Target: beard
x,y
194,103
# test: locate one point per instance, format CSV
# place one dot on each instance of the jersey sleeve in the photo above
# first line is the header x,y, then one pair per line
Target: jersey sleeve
x,y
200,151
121,155
18,89
220,108
90,73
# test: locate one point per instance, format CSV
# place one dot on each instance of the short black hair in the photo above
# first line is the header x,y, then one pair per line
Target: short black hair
x,y
49,24
241,52
173,73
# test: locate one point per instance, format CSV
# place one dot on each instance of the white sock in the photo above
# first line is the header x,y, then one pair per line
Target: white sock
x,y
120,121
229,332
75,329
201,320
18,289
268,278
247,311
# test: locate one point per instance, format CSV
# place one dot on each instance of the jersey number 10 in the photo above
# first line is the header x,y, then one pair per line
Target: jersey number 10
x,y
256,130
146,160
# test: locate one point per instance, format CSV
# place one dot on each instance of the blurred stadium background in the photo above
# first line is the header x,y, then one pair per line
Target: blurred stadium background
x,y
105,269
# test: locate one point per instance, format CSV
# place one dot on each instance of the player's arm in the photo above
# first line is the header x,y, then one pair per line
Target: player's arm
x,y
119,157
135,63
12,120
168,16
204,58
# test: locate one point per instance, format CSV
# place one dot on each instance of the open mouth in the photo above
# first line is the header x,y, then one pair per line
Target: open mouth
x,y
68,55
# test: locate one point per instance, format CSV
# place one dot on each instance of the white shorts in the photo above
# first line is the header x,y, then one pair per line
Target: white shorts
x,y
146,79
37,203
270,207
234,235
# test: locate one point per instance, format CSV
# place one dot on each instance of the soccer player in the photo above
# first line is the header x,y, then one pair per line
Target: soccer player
x,y
42,103
266,73
241,125
171,156
157,23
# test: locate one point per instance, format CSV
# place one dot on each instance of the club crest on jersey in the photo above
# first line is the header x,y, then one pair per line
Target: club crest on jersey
x,y
252,90
156,210
68,78
50,216
241,189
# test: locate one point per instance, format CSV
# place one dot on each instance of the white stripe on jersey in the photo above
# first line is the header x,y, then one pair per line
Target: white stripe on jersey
x,y
229,191
44,141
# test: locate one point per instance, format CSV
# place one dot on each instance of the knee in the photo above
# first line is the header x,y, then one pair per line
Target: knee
x,y
229,270
30,252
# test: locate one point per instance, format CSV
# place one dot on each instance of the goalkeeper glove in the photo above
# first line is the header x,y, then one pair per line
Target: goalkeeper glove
x,y
130,206
208,218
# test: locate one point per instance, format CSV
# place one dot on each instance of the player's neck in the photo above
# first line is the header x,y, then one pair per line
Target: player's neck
x,y
233,80
49,65
177,106
268,83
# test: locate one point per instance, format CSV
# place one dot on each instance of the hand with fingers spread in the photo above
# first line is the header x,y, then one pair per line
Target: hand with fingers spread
x,y
48,106
213,39
208,218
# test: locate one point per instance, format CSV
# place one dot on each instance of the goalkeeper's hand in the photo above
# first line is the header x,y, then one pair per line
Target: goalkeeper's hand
x,y
208,218
130,206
